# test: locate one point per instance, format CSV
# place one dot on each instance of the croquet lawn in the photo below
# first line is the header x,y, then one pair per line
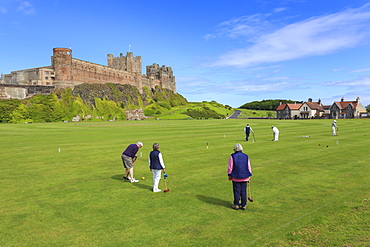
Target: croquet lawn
x,y
62,185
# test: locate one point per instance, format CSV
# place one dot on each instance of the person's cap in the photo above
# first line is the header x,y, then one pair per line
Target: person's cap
x,y
140,143
335,121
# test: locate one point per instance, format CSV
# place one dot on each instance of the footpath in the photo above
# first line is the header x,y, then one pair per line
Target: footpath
x,y
235,114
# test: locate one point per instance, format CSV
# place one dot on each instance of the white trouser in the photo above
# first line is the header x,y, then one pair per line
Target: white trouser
x,y
333,131
276,135
156,178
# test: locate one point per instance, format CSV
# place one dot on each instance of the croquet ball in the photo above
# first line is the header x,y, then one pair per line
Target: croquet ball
x,y
319,144
327,146
142,178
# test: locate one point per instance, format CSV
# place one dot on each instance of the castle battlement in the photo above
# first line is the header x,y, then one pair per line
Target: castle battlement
x,y
66,71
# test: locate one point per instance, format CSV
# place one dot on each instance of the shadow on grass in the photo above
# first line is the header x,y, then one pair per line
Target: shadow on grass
x,y
118,177
139,185
143,186
214,201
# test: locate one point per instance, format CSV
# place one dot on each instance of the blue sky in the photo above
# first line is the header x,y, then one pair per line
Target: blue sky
x,y
233,52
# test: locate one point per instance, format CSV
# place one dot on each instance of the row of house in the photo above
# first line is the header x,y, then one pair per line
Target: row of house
x,y
310,109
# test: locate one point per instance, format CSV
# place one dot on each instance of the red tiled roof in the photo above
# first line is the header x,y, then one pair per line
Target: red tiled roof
x,y
290,106
281,107
343,104
315,106
294,106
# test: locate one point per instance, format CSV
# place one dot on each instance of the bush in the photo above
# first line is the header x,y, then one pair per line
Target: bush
x,y
204,112
165,105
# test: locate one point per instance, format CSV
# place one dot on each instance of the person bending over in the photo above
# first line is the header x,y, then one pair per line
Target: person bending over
x,y
128,158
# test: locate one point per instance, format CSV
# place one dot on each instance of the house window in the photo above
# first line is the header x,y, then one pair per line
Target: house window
x,y
46,72
46,78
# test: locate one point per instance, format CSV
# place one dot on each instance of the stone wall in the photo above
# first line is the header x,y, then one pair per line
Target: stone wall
x,y
163,74
23,91
86,72
66,71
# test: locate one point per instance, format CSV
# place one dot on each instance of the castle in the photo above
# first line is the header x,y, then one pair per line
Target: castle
x,y
66,71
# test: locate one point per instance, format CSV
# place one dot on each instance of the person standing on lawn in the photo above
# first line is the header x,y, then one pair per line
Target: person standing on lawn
x,y
275,131
334,128
128,159
239,172
247,131
156,165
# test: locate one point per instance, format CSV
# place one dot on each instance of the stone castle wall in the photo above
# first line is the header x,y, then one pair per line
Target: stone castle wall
x,y
86,72
8,91
121,70
67,71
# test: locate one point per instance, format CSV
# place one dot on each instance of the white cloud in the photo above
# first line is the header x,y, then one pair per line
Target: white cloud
x,y
312,37
277,10
268,87
359,70
338,69
192,84
360,82
26,8
277,78
244,26
20,6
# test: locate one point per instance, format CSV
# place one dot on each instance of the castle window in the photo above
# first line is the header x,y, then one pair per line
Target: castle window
x,y
46,72
46,78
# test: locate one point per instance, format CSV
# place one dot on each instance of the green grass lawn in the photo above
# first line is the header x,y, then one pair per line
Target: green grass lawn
x,y
307,191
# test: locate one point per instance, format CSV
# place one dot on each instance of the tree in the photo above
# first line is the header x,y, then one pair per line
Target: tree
x,y
45,108
268,105
20,115
66,102
7,106
40,113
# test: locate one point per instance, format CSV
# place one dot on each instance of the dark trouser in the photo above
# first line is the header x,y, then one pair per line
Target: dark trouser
x,y
246,136
240,193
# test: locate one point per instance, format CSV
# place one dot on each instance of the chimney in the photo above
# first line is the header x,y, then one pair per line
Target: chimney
x,y
342,99
309,100
358,100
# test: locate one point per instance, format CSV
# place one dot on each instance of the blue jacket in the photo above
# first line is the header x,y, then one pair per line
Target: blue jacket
x,y
131,150
240,167
154,160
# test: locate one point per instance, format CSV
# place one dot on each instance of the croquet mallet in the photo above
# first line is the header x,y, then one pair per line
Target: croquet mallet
x,y
165,183
249,192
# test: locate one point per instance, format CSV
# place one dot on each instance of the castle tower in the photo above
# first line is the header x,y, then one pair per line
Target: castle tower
x,y
163,74
62,64
127,63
